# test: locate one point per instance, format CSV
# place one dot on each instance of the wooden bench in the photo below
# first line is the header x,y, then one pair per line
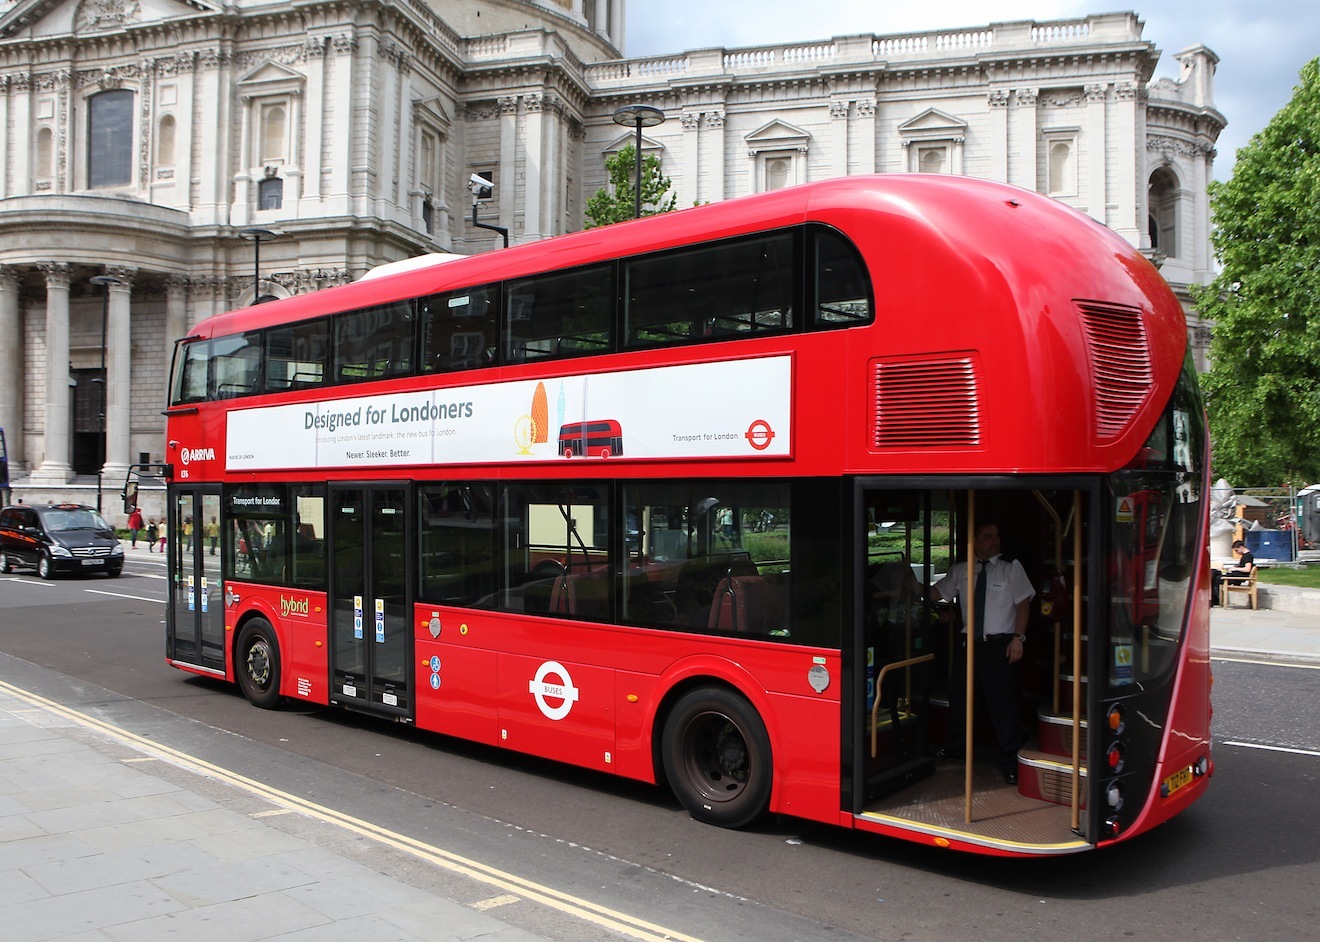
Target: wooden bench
x,y
1248,587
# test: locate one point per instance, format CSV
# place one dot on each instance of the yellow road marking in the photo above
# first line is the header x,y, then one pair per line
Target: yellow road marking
x,y
578,907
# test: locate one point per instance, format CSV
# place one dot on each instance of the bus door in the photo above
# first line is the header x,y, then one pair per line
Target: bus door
x,y
896,639
371,663
195,626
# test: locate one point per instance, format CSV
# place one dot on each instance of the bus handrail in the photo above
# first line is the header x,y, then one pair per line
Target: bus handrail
x,y
879,683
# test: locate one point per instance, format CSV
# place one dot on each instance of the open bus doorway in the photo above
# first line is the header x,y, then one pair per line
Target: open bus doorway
x,y
910,639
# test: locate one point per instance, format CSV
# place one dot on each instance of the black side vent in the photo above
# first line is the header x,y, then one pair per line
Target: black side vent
x,y
926,404
1119,349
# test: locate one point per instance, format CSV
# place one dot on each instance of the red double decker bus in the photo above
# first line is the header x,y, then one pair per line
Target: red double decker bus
x,y
824,389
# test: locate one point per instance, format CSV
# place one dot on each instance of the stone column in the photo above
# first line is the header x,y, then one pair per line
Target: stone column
x,y
11,367
1129,221
176,316
118,381
997,101
1096,147
866,155
1025,135
690,158
508,181
534,166
838,139
714,155
55,468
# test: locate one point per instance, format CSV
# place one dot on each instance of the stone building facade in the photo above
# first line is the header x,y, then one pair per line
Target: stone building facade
x,y
199,156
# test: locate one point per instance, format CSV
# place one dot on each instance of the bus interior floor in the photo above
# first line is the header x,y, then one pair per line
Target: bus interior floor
x,y
999,810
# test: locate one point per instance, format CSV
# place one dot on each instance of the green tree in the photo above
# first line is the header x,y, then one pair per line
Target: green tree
x,y
1263,389
606,207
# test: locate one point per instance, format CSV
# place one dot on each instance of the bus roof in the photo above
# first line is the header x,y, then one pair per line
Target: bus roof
x,y
927,203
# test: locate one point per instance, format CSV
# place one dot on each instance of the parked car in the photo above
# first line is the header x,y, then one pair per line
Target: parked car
x,y
58,538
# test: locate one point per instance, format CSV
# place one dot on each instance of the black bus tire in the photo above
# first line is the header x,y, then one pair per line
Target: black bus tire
x,y
717,757
257,664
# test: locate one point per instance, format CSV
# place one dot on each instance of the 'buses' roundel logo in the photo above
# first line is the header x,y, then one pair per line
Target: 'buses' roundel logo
x,y
541,689
759,434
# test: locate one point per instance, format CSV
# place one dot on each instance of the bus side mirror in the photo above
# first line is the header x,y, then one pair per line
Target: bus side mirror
x,y
130,497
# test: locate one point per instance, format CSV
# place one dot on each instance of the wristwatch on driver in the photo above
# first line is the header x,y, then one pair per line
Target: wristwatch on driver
x,y
1022,638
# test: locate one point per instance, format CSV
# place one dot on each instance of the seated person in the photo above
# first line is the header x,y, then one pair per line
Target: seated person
x,y
1236,573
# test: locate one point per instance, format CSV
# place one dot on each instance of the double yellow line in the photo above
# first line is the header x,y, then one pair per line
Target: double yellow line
x,y
585,910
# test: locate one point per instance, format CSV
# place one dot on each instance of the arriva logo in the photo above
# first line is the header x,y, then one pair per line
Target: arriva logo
x,y
197,454
291,606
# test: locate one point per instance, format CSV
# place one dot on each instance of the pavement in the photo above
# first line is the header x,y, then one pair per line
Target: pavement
x,y
106,835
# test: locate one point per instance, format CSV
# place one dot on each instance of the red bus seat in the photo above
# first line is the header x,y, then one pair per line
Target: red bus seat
x,y
695,590
583,594
746,605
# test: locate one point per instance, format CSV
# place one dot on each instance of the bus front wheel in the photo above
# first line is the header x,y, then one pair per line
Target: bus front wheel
x,y
257,664
717,757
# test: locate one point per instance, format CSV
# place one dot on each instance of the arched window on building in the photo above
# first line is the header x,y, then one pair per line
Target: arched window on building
x,y
273,134
1062,167
778,171
43,167
1162,195
165,141
110,138
933,158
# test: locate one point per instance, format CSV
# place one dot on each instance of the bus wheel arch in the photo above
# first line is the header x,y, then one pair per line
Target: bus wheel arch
x,y
715,753
257,662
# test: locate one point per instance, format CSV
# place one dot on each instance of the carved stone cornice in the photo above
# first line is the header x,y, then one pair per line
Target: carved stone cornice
x,y
1027,97
997,98
1096,92
9,278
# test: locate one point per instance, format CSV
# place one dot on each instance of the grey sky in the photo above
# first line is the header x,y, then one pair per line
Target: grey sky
x,y
1261,44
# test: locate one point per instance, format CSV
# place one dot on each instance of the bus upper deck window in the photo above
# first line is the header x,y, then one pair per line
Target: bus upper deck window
x,y
459,329
560,314
192,373
843,290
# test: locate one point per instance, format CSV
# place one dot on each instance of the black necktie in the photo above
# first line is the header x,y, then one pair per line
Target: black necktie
x,y
980,599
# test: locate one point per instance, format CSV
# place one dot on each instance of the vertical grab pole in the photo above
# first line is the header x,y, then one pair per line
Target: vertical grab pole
x,y
969,620
1077,662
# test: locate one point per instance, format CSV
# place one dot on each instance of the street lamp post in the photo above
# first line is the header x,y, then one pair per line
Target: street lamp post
x,y
103,282
639,116
257,235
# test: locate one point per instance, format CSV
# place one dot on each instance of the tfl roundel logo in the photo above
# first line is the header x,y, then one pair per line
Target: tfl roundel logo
x,y
553,683
759,434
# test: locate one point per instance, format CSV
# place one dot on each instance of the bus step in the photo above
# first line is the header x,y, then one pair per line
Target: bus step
x,y
1047,778
1054,734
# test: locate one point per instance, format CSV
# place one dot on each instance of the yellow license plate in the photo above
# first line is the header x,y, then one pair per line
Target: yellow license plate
x,y
1177,780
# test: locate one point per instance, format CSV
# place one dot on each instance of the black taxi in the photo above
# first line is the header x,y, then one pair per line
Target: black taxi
x,y
58,538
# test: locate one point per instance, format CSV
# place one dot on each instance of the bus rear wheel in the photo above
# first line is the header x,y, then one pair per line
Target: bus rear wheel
x,y
257,664
717,757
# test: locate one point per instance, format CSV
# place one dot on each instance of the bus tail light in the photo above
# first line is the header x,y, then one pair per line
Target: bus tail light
x,y
1112,827
1117,719
1201,766
1114,796
1114,758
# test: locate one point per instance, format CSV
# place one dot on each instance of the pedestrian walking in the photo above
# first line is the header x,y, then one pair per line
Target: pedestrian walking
x,y
135,525
153,534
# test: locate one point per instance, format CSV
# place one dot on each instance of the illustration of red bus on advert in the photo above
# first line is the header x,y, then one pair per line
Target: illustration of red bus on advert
x,y
598,438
